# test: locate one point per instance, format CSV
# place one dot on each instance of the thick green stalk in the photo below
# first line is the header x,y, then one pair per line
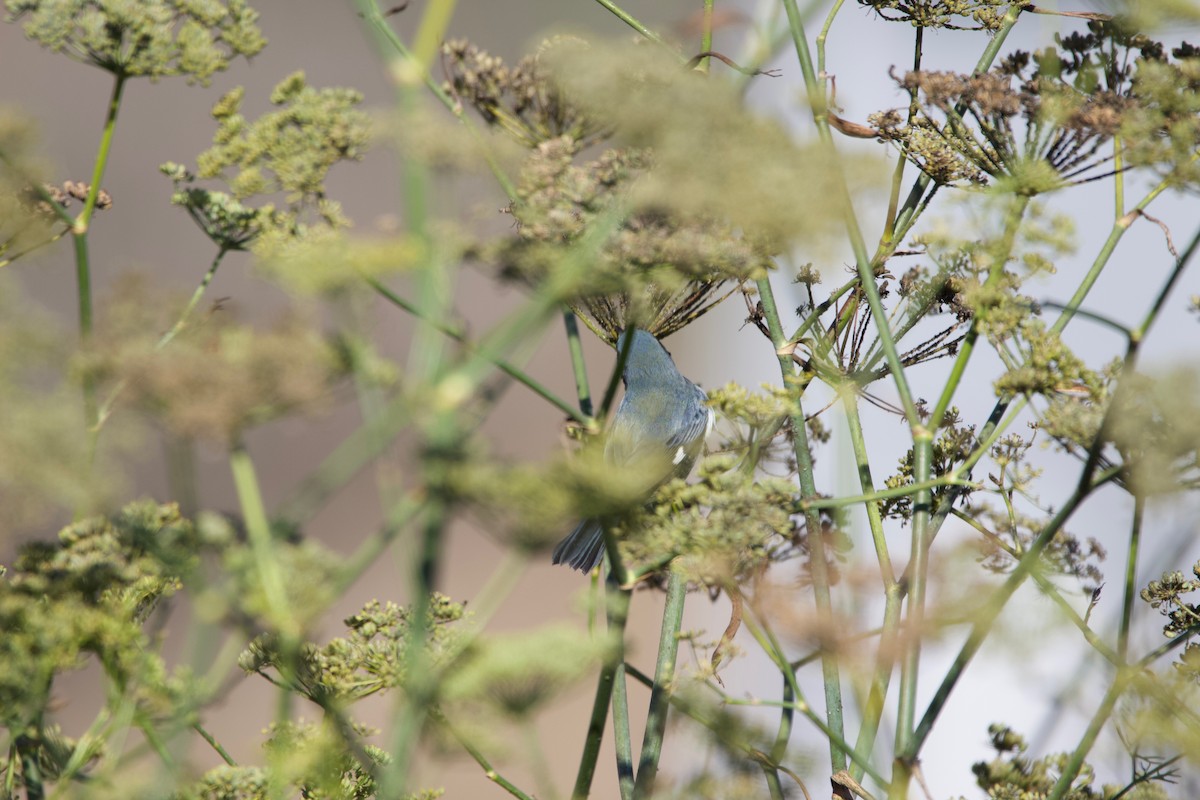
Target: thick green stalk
x,y
884,661
618,611
816,541
622,740
660,694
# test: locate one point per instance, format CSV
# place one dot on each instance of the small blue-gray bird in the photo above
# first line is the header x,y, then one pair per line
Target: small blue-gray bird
x,y
661,420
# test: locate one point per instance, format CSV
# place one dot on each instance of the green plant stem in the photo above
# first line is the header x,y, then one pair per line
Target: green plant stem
x,y
991,610
79,230
488,770
1013,219
922,529
355,452
909,212
402,59
622,740
459,336
770,645
873,708
779,747
633,22
421,682
866,270
664,676
706,37
618,613
578,365
181,323
262,543
888,242
214,744
824,35
106,408
816,540
1070,770
949,479
1050,590
1131,590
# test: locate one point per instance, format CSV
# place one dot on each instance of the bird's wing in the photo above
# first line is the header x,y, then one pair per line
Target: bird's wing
x,y
675,437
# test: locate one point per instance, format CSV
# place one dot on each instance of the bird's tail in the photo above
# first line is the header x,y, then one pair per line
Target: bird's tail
x,y
583,548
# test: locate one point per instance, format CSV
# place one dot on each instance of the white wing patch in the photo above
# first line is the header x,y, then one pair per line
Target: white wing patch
x,y
680,455
712,419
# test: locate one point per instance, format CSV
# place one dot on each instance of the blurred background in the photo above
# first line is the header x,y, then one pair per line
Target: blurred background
x,y
143,234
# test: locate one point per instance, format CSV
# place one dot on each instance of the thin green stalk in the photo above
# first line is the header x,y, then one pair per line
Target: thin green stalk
x,y
913,203
887,241
949,479
808,492
79,230
578,366
262,543
991,610
633,22
214,744
664,677
403,58
421,680
488,770
779,747
355,452
873,708
770,645
459,336
824,35
402,513
706,36
1070,770
617,600
1131,590
1050,590
106,408
966,348
195,299
866,272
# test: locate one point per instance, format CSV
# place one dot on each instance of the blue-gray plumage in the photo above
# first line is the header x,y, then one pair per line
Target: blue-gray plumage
x,y
661,419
